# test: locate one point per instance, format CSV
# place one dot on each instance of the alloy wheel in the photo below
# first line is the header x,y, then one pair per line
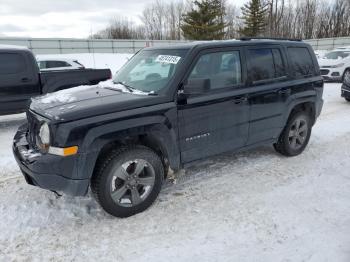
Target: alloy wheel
x,y
132,182
298,133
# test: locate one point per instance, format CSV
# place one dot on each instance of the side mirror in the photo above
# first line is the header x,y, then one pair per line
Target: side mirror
x,y
197,86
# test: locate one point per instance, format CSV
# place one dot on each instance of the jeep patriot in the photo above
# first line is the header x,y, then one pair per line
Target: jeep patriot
x,y
169,107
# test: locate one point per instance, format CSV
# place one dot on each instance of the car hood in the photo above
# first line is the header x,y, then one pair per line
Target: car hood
x,y
87,101
331,62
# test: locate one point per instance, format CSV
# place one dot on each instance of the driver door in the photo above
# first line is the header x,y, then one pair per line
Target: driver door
x,y
217,120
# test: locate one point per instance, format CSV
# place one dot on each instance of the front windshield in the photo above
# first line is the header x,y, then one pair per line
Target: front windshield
x,y
150,70
335,55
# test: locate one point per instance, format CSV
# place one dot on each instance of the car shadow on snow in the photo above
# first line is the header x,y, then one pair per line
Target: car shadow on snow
x,y
213,166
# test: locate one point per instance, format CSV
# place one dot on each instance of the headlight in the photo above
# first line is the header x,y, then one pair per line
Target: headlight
x,y
44,135
338,65
44,143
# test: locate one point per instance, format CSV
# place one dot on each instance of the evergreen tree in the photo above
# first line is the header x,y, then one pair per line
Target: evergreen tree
x,y
204,21
254,18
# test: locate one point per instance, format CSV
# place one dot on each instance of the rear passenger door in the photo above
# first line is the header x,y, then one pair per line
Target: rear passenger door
x,y
217,120
268,91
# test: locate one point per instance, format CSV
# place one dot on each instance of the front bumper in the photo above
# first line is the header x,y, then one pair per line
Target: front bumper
x,y
47,171
332,74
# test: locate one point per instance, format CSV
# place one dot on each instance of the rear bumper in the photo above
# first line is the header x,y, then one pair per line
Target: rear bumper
x,y
319,107
47,171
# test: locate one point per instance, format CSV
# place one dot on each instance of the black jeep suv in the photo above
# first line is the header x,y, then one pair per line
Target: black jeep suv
x,y
168,107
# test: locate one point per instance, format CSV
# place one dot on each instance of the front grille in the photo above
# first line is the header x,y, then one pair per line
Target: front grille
x,y
33,129
324,72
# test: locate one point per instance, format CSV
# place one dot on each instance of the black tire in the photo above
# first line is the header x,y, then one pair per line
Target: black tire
x,y
347,71
347,99
102,181
284,144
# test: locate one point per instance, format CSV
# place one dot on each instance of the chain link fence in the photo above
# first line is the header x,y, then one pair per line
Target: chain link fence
x,y
71,46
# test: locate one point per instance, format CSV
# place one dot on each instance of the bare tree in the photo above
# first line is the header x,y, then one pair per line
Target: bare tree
x,y
121,28
286,18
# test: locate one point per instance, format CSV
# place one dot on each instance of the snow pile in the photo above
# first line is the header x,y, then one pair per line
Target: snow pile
x,y
62,96
30,154
70,95
57,97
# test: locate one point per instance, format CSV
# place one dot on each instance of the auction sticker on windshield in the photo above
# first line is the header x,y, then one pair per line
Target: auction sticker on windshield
x,y
168,59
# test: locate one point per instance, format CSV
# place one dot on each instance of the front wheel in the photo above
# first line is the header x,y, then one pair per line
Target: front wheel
x,y
347,99
295,136
128,180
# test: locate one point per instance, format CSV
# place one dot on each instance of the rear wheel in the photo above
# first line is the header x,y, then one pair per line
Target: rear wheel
x,y
347,99
128,180
295,136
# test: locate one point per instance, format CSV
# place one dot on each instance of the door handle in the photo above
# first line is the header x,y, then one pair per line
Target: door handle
x,y
239,100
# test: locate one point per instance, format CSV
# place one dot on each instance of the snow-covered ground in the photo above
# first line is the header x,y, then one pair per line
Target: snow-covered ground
x,y
251,206
97,60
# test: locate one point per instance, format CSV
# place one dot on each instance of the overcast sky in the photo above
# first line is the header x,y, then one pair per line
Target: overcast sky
x,y
66,18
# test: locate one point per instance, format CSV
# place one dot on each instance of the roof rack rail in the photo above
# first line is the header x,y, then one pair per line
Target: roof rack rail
x,y
269,38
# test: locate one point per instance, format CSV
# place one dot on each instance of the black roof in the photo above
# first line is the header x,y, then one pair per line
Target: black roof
x,y
227,43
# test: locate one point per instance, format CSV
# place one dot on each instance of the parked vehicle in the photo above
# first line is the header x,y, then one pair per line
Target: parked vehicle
x,y
335,64
320,53
20,79
48,64
193,101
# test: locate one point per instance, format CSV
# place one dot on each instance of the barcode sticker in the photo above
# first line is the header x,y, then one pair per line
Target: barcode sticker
x,y
170,59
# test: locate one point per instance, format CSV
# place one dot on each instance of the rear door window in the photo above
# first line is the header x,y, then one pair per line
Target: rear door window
x,y
301,61
265,64
11,63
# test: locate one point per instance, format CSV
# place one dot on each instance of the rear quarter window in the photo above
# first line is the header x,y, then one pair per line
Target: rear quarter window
x,y
266,64
11,63
301,62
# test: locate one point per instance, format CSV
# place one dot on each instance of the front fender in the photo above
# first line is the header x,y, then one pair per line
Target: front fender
x,y
158,127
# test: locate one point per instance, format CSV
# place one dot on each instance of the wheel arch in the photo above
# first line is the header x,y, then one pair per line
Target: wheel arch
x,y
159,137
308,106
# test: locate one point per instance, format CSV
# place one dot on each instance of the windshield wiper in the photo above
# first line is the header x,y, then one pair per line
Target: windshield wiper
x,y
130,88
133,89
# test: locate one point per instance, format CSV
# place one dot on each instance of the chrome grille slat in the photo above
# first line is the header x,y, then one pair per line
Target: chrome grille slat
x,y
33,125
